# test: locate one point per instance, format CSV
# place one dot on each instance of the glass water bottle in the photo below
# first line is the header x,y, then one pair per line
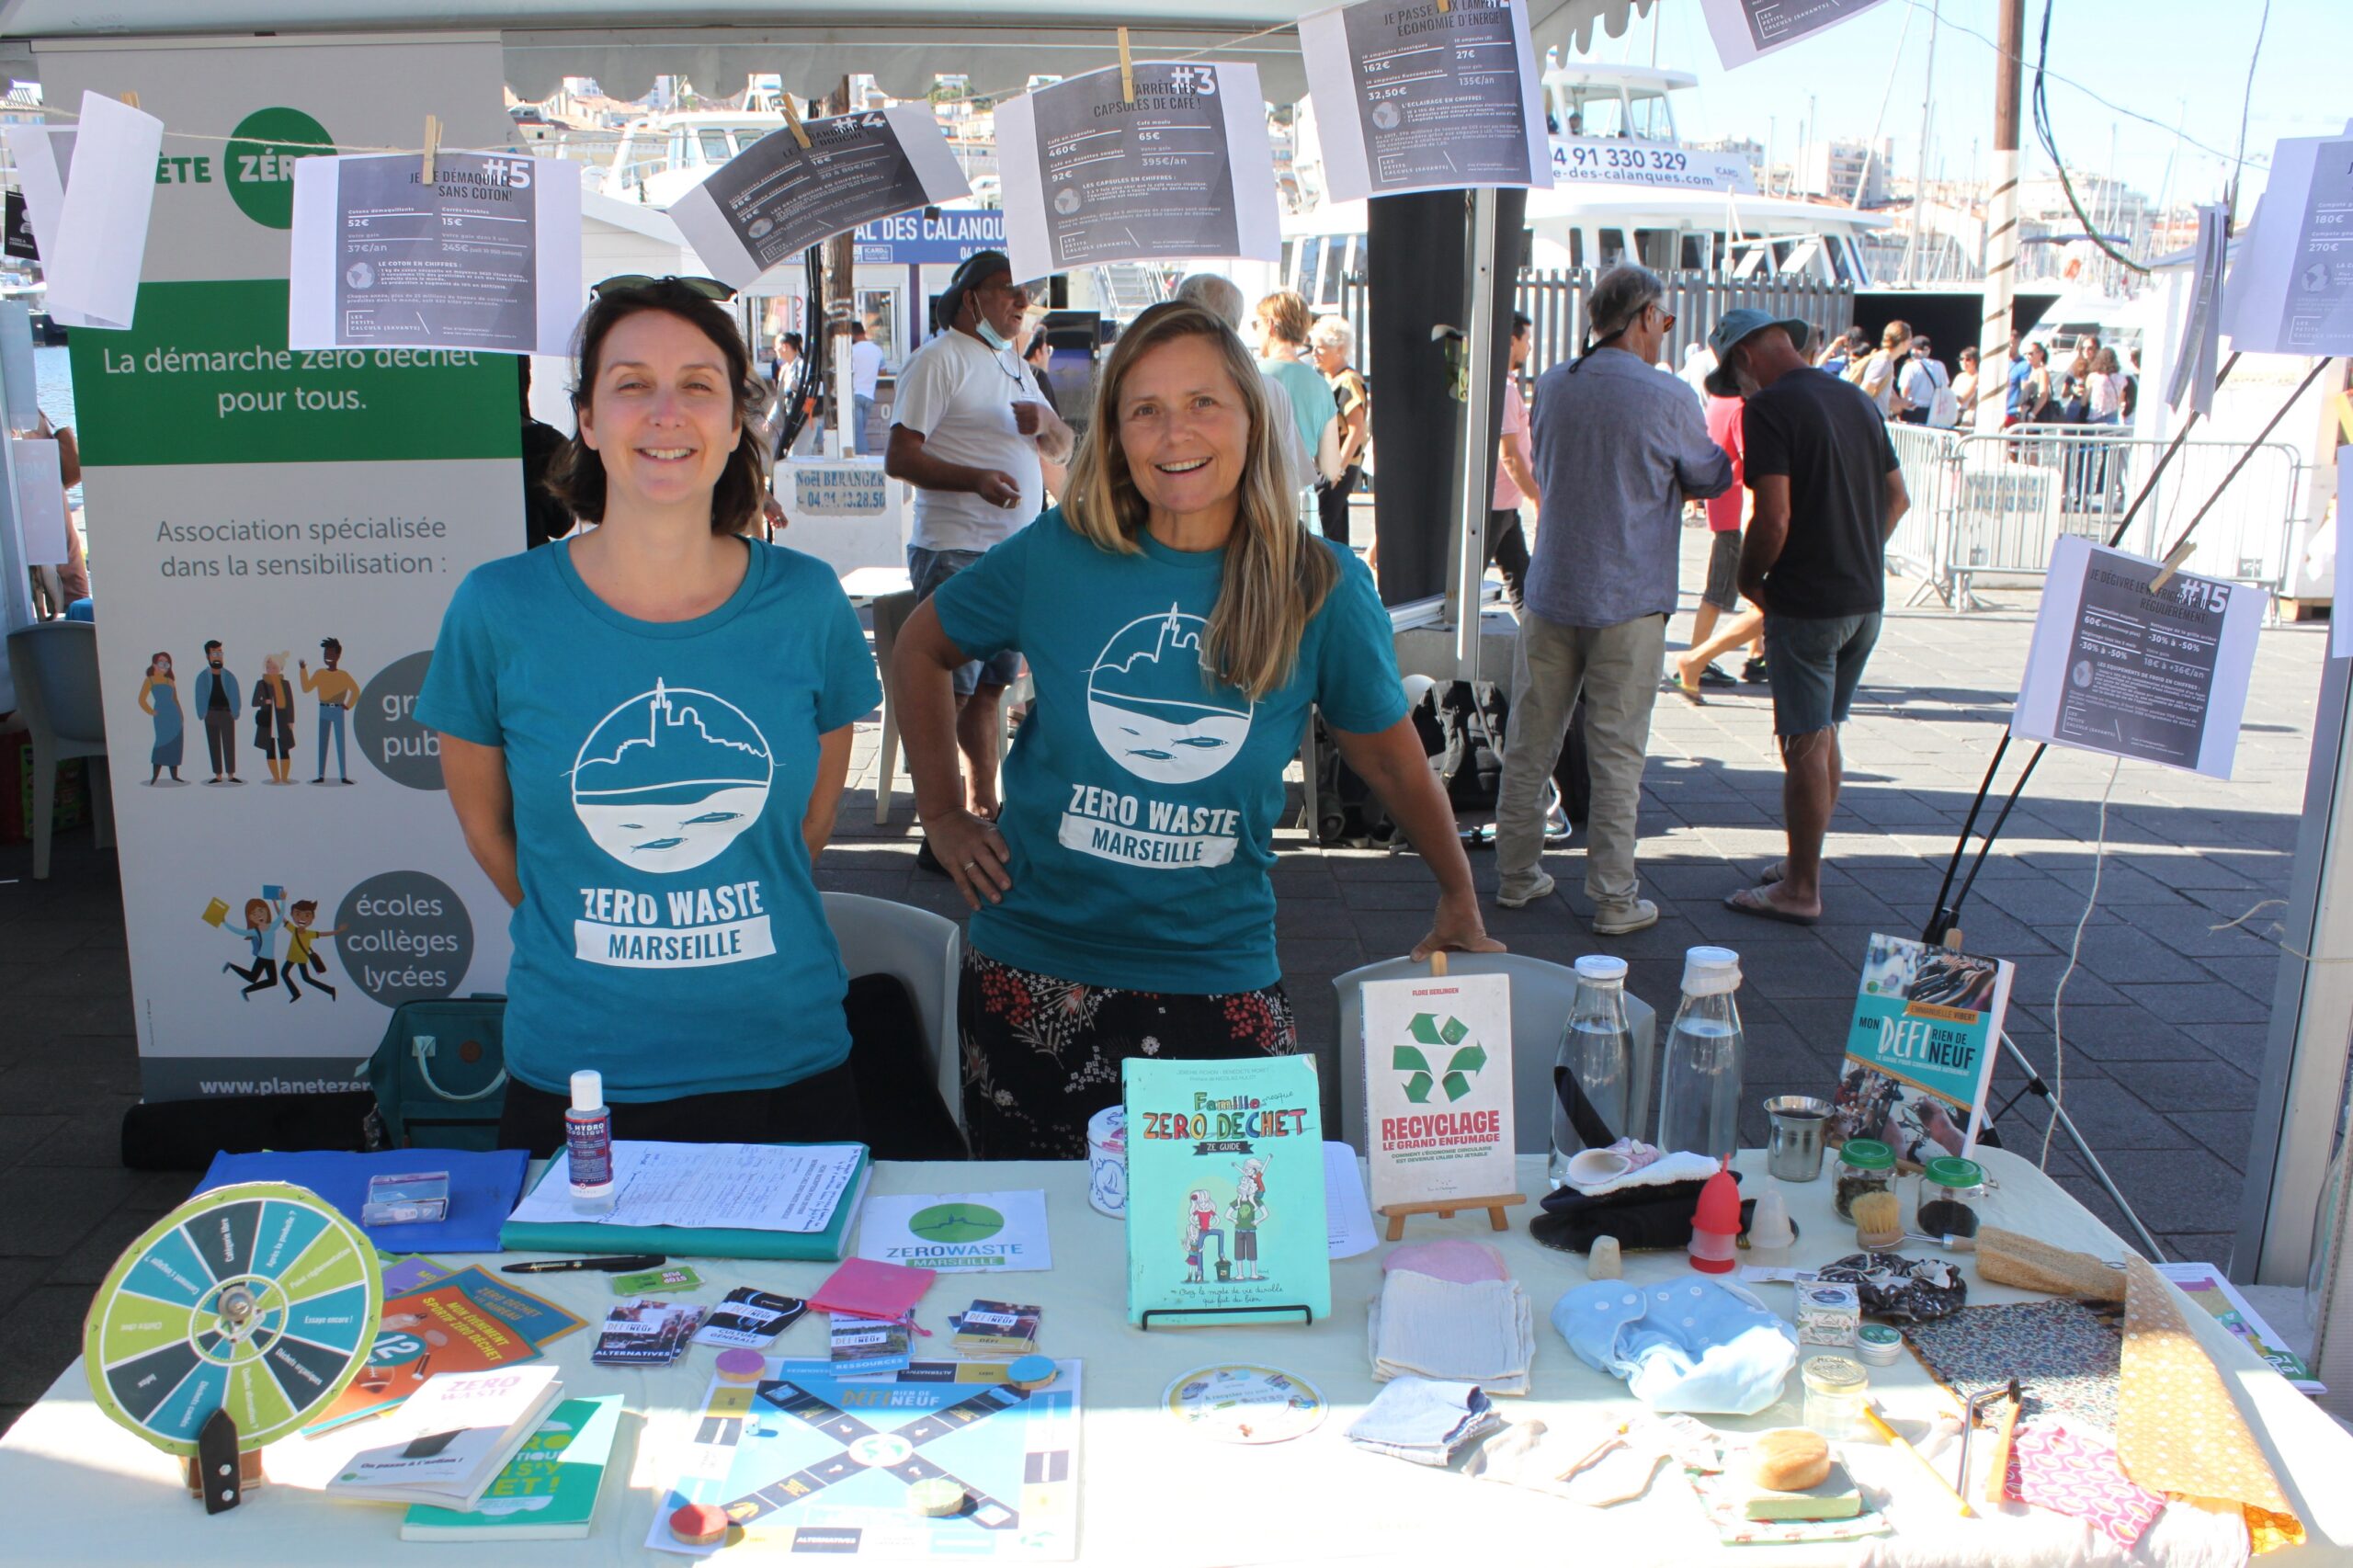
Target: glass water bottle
x,y
1698,1102
1598,1047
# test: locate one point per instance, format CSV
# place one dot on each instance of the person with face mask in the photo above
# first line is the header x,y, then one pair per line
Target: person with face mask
x,y
1828,494
967,431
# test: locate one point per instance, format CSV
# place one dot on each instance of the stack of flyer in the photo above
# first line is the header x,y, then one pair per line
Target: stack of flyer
x,y
457,1434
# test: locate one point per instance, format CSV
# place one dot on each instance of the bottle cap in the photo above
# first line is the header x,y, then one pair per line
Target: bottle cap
x,y
1867,1154
1603,967
1950,1170
1711,972
588,1091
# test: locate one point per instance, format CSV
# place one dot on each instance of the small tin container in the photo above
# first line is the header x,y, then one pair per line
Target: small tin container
x,y
1836,1388
1879,1345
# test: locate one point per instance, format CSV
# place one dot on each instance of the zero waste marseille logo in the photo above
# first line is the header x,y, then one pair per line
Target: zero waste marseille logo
x,y
1460,1067
949,1222
260,162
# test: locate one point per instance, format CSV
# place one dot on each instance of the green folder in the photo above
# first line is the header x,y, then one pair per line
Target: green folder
x,y
830,1244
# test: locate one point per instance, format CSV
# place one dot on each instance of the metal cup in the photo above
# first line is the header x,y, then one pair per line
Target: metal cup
x,y
1793,1153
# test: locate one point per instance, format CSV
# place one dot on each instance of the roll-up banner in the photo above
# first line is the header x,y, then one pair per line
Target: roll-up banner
x,y
275,534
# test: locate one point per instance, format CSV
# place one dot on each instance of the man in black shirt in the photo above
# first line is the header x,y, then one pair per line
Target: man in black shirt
x,y
1828,494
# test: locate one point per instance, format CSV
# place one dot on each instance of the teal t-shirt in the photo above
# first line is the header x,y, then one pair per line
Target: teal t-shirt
x,y
1141,799
1312,403
670,936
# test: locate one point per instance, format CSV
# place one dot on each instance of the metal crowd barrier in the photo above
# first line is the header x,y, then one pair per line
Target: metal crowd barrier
x,y
1989,505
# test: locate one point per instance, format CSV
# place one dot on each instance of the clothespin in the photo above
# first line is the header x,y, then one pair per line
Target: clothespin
x,y
792,121
1127,71
1443,8
2179,553
1438,964
432,145
1952,940
132,99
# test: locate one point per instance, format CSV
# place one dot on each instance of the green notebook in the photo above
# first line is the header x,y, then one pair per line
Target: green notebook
x,y
548,1491
830,1244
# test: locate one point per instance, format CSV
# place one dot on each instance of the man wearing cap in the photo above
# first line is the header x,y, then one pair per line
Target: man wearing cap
x,y
1618,449
1828,493
337,693
967,430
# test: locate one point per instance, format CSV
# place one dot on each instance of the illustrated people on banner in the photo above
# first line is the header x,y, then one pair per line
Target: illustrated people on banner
x,y
337,693
159,699
1193,1249
261,919
273,702
220,701
302,957
1248,1212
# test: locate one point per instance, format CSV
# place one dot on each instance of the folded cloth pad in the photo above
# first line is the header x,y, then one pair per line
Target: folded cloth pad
x,y
1424,1420
1480,1330
1691,1343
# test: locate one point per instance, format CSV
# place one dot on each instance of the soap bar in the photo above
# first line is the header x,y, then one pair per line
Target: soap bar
x,y
1837,1498
1828,1314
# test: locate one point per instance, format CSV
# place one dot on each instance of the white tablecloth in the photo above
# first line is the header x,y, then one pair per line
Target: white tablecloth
x,y
76,1489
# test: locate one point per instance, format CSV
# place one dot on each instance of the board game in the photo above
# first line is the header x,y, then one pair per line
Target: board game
x,y
807,1462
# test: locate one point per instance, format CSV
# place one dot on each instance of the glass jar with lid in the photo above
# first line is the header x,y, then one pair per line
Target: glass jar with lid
x,y
1836,1387
1864,1164
1951,1202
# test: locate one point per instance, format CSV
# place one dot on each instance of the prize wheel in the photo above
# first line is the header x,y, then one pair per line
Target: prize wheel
x,y
258,1299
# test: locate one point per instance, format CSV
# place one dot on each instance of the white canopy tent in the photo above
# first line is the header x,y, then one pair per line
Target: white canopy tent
x,y
812,44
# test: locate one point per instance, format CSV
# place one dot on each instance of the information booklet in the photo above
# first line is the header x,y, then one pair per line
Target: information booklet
x,y
1438,1088
1226,1217
548,1491
2208,1287
452,1438
470,1322
1920,1053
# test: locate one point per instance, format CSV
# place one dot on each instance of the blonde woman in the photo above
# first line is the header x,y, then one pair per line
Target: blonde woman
x,y
273,706
1179,622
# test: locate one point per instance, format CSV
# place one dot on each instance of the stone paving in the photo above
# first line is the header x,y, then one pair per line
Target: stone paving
x,y
2164,1019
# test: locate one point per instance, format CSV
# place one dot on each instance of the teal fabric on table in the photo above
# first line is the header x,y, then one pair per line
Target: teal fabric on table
x,y
1689,1345
1141,798
670,936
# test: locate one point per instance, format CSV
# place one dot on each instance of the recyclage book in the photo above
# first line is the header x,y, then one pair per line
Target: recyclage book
x,y
1920,1053
468,1322
1438,1087
548,1491
1226,1190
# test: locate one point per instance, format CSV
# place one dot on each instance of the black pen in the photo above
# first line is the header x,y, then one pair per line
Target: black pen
x,y
604,1264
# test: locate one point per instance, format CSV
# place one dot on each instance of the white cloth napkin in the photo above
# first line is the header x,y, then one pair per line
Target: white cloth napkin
x,y
1482,1332
1424,1420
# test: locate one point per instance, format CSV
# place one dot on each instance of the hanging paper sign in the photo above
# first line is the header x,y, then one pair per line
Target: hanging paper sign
x,y
1182,173
1438,1088
2340,627
1416,97
776,199
1750,30
2292,289
91,232
485,257
1655,166
2156,676
2195,356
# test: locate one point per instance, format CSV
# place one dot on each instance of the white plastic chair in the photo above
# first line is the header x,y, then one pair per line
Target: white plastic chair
x,y
54,664
891,612
923,951
1540,994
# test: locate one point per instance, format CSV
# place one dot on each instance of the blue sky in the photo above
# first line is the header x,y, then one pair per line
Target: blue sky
x,y
2164,59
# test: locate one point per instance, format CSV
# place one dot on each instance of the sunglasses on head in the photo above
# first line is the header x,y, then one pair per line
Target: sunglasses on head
x,y
629,282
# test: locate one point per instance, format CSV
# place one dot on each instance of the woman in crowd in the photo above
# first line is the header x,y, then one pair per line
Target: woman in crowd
x,y
644,731
1179,621
273,706
1334,344
1283,324
159,699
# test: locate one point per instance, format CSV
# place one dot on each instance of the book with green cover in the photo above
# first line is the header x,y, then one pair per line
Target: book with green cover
x,y
1225,1192
548,1491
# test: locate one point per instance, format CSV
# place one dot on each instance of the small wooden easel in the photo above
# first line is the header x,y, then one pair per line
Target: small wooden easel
x,y
1447,1208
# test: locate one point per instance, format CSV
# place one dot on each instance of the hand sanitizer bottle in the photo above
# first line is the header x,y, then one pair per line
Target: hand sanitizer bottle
x,y
588,1143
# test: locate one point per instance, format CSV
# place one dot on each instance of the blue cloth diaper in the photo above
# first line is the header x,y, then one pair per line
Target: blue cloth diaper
x,y
1691,1343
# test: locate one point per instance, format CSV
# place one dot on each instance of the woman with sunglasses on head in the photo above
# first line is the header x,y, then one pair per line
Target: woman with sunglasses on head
x,y
1179,621
644,730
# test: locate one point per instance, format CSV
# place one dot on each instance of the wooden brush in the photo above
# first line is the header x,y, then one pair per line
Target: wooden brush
x,y
1878,1221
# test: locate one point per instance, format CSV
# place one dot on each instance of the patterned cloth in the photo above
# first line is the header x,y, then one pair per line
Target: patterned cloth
x,y
2179,1431
2063,1355
1041,1054
1900,1288
2075,1474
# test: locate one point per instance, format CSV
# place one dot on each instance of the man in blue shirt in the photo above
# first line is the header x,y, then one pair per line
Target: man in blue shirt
x,y
1619,446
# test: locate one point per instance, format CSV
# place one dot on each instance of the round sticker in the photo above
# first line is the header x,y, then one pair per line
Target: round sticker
x,y
1241,1403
